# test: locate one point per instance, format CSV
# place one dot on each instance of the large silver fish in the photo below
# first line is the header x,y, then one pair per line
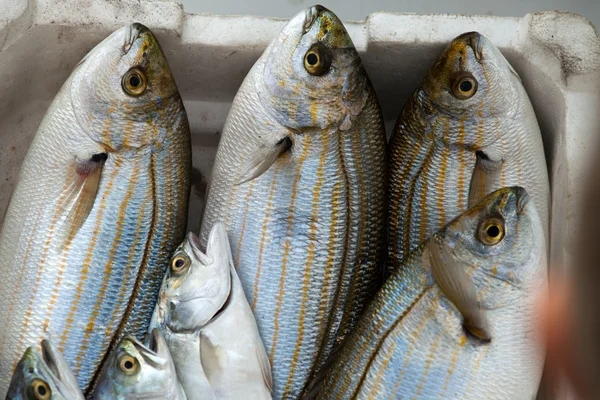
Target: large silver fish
x,y
135,371
468,130
44,376
299,181
209,325
458,318
99,208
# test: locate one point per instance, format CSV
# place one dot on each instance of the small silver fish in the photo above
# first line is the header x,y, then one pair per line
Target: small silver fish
x,y
457,319
209,325
44,376
136,371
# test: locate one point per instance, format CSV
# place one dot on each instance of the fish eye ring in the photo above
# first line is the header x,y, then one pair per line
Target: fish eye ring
x,y
464,85
491,232
41,390
317,60
179,263
128,364
134,82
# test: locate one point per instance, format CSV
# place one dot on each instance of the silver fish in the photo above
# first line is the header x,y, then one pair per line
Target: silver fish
x,y
44,376
135,371
468,130
299,181
194,289
458,318
100,206
209,326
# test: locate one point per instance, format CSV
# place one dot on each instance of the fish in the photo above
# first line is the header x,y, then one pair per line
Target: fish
x,y
468,130
194,289
299,181
209,325
457,319
138,371
100,205
43,376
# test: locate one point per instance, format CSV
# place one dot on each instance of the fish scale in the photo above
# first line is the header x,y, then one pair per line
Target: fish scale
x,y
307,235
84,288
433,147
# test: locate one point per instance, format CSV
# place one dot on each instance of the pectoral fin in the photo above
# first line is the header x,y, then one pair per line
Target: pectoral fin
x,y
78,199
486,175
265,367
262,158
458,286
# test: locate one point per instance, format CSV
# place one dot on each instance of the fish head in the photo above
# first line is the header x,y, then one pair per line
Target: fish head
x,y
501,242
197,284
44,376
313,75
472,79
134,370
122,91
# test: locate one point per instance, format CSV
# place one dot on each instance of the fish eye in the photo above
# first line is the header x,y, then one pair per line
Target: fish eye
x,y
317,59
491,232
128,364
134,82
180,263
41,390
464,86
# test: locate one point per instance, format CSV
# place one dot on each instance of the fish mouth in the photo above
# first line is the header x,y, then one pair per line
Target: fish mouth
x,y
194,243
522,199
135,31
475,40
311,16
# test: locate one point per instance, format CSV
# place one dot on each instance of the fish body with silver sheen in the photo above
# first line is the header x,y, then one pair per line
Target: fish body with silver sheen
x,y
209,326
299,182
468,130
100,205
416,339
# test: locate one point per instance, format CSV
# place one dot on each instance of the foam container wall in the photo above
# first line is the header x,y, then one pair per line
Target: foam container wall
x,y
556,54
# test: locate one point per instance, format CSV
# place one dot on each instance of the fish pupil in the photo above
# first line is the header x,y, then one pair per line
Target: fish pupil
x,y
312,59
179,263
466,86
128,365
41,390
134,81
493,231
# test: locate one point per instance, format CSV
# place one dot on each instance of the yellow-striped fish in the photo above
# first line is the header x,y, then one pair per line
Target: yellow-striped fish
x,y
299,181
468,130
457,319
100,206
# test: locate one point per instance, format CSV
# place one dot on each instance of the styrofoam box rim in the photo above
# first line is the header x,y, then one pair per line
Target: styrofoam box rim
x,y
556,53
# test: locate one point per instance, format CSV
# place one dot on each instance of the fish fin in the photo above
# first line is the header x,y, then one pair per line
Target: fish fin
x,y
486,175
458,286
262,158
79,197
265,366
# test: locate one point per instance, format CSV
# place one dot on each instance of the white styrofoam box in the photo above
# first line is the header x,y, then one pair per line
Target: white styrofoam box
x,y
557,55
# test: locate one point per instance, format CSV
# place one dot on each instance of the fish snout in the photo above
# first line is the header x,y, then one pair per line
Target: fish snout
x,y
475,40
135,31
311,15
